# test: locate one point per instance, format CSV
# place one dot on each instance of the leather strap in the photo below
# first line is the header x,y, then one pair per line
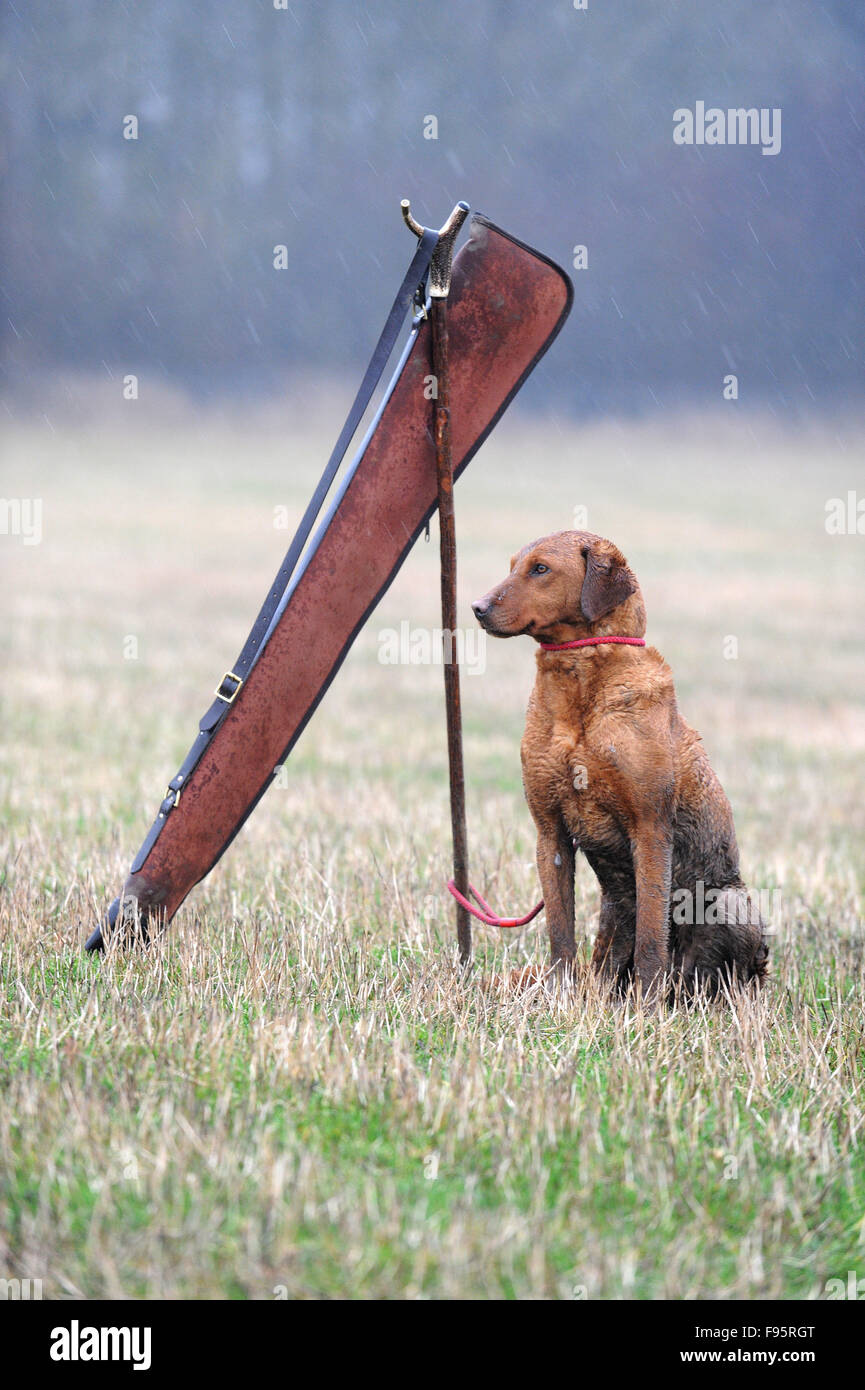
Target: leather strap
x,y
232,681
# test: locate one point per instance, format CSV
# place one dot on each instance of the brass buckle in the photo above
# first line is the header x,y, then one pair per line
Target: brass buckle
x,y
175,792
229,676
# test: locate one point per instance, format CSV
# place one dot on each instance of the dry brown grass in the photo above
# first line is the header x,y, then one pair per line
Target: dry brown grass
x,y
295,1089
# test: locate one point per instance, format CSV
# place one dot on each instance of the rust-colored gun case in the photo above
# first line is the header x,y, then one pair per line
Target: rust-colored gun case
x,y
506,305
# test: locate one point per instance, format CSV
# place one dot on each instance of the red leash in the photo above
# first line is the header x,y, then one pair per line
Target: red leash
x,y
488,917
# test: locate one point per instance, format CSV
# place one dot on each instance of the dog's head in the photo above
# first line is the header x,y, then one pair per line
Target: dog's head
x,y
568,585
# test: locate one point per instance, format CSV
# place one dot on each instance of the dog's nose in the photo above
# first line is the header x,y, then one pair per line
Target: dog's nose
x,y
481,608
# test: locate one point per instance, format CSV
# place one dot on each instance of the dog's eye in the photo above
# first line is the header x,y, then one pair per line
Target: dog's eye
x,y
540,569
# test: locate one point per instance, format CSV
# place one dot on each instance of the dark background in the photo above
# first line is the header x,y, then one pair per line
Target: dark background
x,y
305,126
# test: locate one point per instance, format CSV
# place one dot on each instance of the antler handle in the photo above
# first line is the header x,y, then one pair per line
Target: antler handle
x,y
442,257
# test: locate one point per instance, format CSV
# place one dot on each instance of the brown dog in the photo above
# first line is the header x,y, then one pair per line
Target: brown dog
x,y
611,768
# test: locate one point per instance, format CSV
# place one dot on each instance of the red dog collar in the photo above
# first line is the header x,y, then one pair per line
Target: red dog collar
x,y
592,642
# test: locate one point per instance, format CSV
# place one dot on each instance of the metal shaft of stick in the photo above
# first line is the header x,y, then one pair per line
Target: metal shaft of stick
x,y
439,288
448,552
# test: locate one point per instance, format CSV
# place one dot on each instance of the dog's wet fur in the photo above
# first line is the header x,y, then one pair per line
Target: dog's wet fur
x,y
610,768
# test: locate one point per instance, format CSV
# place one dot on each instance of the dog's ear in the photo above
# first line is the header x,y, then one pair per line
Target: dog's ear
x,y
608,581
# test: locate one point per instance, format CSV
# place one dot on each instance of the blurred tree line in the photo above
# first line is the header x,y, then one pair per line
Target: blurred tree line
x,y
301,123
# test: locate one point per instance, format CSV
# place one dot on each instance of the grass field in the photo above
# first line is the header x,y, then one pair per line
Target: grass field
x,y
294,1094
